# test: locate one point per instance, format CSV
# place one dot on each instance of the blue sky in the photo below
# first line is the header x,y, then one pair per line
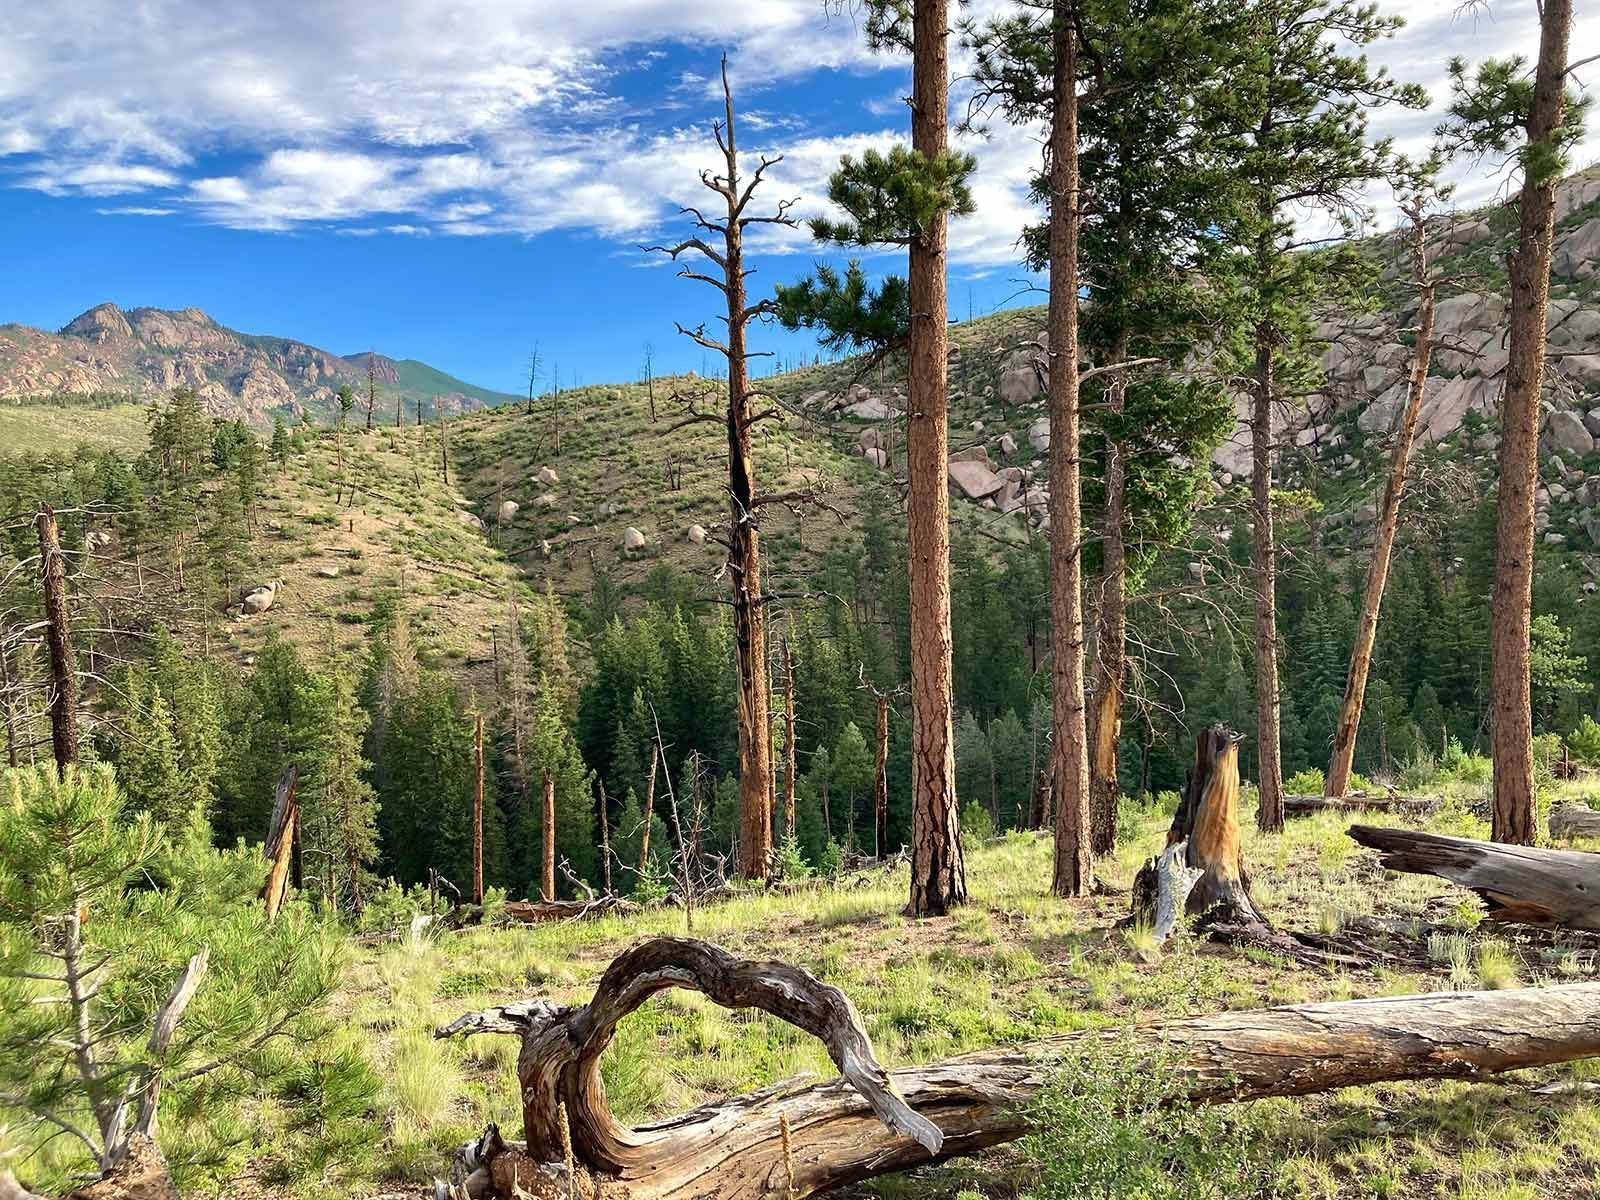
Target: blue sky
x,y
455,180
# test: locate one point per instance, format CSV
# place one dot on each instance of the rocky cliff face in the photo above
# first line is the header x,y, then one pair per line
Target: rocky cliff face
x,y
146,352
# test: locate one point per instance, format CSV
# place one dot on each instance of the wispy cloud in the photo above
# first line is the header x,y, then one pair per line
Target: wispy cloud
x,y
513,116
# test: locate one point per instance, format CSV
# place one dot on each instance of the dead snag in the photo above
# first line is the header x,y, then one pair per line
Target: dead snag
x,y
477,812
605,836
1205,878
649,808
880,783
279,847
873,1122
63,666
788,742
1518,883
547,877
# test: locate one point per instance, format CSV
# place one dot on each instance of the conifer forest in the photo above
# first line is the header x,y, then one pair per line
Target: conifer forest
x,y
1021,622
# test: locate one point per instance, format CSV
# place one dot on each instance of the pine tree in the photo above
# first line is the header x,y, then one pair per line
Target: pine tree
x,y
147,760
337,805
1501,110
1292,122
906,198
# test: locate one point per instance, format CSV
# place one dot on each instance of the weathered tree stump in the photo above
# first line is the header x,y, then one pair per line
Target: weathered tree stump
x,y
800,1136
1518,883
1201,872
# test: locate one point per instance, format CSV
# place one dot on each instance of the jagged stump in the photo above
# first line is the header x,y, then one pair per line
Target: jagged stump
x,y
1201,872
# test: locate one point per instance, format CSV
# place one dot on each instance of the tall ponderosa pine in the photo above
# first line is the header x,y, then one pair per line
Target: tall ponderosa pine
x,y
1349,724
905,198
1496,110
1293,121
1145,239
739,419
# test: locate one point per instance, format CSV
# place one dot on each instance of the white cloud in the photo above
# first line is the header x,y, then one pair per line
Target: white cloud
x,y
136,210
514,116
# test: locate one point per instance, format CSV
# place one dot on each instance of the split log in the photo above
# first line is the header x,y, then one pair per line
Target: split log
x,y
871,1122
279,846
1305,806
1574,820
1518,883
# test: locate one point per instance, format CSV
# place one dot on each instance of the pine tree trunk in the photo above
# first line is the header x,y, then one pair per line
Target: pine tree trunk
x,y
1511,609
1111,635
477,813
605,837
1344,737
938,868
788,742
880,784
58,638
1269,771
649,808
1074,873
547,880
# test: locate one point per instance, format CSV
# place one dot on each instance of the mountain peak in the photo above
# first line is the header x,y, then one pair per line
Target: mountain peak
x,y
99,323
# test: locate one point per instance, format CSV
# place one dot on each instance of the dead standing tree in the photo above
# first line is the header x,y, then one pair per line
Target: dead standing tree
x,y
63,665
739,419
880,778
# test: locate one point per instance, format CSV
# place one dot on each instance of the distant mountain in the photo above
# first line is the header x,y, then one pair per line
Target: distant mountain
x,y
143,353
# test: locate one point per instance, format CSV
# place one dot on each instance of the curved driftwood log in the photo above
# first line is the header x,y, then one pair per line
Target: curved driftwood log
x,y
871,1123
1519,883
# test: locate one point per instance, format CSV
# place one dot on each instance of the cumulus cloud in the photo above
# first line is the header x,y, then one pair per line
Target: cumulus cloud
x,y
514,116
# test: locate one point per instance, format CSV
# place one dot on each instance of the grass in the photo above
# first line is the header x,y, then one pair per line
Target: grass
x,y
41,429
1014,965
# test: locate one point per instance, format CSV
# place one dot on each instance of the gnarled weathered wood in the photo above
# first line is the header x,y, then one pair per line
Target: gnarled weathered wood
x,y
532,912
838,1133
1519,883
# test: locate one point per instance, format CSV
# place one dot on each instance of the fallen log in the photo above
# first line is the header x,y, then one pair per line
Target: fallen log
x,y
800,1137
533,912
1519,883
1574,820
1305,806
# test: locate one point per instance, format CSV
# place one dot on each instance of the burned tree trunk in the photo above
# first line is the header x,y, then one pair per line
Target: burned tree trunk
x,y
1204,858
1518,883
477,813
800,1137
788,742
63,665
1069,756
279,846
1305,806
739,419
880,782
1511,607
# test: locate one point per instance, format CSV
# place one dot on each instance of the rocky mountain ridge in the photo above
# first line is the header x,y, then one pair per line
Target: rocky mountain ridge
x,y
143,353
